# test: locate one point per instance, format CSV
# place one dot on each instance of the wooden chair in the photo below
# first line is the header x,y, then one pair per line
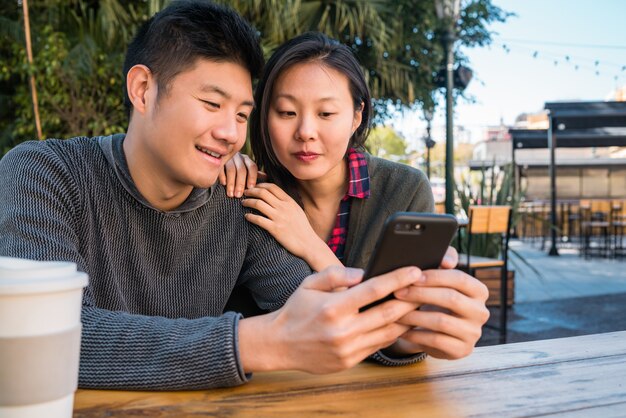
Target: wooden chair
x,y
490,220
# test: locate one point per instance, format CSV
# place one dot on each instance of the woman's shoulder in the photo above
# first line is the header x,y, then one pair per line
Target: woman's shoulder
x,y
381,168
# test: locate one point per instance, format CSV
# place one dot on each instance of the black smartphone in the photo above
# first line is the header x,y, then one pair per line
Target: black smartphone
x,y
410,239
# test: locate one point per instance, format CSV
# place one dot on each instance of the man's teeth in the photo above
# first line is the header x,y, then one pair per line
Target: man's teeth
x,y
211,153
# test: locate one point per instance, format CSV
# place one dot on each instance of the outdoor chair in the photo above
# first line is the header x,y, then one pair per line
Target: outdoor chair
x,y
490,221
618,225
595,228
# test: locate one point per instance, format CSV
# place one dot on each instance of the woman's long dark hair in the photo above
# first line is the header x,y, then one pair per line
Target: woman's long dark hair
x,y
309,47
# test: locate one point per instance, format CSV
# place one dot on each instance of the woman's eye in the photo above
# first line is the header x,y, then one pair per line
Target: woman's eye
x,y
326,114
242,117
286,113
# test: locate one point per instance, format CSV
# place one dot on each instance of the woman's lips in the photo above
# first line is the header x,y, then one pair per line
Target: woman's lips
x,y
306,156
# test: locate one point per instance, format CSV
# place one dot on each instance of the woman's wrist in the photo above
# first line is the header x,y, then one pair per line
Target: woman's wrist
x,y
319,256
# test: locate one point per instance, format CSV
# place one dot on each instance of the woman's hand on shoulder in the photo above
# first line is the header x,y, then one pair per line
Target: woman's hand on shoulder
x,y
281,216
238,174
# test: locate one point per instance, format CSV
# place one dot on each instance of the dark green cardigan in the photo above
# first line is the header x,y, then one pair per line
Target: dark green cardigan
x,y
394,188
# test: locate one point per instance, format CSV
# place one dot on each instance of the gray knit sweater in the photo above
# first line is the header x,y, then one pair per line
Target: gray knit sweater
x,y
153,311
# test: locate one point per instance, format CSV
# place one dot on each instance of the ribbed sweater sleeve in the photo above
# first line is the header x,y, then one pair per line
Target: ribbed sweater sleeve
x,y
152,312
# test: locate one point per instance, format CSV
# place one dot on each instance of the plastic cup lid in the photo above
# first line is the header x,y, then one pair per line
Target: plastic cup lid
x,y
19,275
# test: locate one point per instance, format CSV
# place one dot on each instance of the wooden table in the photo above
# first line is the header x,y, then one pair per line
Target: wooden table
x,y
574,377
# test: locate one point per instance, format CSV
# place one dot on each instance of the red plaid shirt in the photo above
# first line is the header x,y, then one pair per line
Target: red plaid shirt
x,y
358,187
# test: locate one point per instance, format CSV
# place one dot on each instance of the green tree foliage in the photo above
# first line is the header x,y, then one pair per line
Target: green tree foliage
x,y
397,42
79,45
78,51
385,142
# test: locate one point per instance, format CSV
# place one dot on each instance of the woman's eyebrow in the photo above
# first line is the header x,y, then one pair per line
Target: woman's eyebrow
x,y
293,98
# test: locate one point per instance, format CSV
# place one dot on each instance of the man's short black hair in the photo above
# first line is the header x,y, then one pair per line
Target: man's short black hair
x,y
172,40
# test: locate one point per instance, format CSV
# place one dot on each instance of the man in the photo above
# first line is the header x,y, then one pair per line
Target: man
x,y
164,246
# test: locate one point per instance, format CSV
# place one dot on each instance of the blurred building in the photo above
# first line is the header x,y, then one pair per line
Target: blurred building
x,y
590,172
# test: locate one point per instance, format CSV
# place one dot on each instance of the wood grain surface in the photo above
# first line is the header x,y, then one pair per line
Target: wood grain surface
x,y
574,377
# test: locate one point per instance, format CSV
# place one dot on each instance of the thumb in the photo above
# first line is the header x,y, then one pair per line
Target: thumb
x,y
333,278
450,259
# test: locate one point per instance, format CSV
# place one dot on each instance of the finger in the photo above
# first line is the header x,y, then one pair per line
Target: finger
x,y
262,176
378,287
391,311
332,278
450,259
262,193
354,350
261,221
439,345
383,337
275,190
252,169
443,323
242,173
443,297
231,176
260,205
457,280
222,177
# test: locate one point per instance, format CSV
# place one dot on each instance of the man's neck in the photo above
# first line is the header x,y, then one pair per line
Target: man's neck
x,y
149,178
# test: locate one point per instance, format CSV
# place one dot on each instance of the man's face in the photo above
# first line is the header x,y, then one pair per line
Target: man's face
x,y
197,125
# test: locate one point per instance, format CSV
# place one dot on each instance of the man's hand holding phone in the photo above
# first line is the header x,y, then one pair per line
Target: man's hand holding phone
x,y
452,313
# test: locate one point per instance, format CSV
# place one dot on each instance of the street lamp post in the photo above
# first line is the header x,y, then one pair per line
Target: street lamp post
x,y
448,13
428,140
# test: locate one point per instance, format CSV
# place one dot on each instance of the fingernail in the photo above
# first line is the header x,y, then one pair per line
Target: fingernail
x,y
402,292
238,193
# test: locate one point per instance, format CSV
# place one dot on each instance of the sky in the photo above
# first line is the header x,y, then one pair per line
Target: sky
x,y
517,72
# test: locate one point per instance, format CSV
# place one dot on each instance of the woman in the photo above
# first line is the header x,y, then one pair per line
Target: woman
x,y
327,199
308,136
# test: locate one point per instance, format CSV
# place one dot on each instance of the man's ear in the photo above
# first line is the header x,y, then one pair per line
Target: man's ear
x,y
138,83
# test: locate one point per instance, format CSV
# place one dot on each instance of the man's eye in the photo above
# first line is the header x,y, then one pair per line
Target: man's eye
x,y
211,104
326,114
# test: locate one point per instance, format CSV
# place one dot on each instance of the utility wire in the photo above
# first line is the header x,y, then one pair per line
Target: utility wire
x,y
597,46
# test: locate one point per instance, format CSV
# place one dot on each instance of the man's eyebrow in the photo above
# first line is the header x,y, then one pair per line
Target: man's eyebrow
x,y
211,88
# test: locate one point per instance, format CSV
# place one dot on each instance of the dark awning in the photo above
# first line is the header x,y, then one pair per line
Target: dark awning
x,y
586,115
576,138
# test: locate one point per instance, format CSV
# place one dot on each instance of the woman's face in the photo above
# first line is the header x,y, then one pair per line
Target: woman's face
x,y
311,119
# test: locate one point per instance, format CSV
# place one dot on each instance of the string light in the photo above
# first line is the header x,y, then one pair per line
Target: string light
x,y
596,66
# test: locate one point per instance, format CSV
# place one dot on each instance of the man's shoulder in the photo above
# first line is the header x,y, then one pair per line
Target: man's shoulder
x,y
53,146
59,161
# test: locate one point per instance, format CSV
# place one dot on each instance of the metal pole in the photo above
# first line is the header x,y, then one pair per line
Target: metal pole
x,y
552,144
448,40
428,147
513,170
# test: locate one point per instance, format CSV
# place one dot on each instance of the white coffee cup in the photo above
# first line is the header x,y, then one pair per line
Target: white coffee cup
x,y
40,304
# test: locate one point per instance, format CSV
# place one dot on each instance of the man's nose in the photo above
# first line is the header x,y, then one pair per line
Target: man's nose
x,y
227,129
